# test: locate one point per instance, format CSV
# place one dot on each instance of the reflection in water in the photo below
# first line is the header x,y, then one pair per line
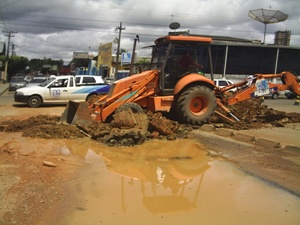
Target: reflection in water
x,y
162,168
169,183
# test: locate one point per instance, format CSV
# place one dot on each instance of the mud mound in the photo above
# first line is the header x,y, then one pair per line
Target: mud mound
x,y
41,126
128,128
253,114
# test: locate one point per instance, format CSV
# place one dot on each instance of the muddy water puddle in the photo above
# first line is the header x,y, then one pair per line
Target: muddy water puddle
x,y
169,183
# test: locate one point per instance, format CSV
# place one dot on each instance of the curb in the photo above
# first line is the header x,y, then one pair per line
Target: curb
x,y
291,148
267,143
243,137
3,90
262,142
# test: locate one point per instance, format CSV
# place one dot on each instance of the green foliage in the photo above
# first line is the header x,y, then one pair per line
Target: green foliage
x,y
2,59
16,64
143,61
36,65
80,62
20,64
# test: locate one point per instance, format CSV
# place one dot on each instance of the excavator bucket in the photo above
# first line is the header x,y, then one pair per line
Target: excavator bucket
x,y
77,112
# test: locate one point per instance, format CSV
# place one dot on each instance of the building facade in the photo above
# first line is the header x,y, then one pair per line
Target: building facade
x,y
282,38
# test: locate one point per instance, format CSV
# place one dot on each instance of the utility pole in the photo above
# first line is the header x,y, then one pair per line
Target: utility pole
x,y
120,28
13,49
133,54
9,35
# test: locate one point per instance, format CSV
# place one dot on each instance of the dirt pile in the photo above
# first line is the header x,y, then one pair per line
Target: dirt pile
x,y
128,128
41,126
253,114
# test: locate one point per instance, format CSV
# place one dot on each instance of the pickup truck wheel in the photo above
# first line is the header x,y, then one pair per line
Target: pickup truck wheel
x,y
275,95
195,105
131,105
34,101
92,98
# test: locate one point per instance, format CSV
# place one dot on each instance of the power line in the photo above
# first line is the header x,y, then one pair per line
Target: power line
x,y
9,35
8,4
68,27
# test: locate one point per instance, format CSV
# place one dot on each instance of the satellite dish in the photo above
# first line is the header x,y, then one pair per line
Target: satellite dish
x,y
174,25
267,16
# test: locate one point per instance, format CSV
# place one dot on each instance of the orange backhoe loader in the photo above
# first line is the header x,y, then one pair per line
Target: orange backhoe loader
x,y
176,85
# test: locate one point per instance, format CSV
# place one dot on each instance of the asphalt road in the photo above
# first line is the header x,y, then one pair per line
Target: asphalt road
x,y
282,104
7,98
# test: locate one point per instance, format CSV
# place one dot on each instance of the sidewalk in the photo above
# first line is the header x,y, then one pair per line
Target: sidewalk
x,y
3,87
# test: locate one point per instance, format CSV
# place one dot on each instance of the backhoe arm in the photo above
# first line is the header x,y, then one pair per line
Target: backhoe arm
x,y
255,86
131,89
250,87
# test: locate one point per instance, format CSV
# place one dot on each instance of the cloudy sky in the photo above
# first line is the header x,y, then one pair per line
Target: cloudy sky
x,y
57,28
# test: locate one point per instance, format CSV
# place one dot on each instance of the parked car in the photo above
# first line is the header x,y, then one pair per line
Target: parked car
x,y
109,80
273,95
28,78
223,83
290,95
16,82
19,75
37,81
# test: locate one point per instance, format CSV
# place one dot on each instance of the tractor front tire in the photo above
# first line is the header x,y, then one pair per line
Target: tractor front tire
x,y
195,105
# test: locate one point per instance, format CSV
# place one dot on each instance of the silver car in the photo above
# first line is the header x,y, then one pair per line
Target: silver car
x,y
37,81
16,82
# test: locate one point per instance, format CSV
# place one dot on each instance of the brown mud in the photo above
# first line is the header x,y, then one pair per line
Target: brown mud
x,y
128,128
34,193
253,114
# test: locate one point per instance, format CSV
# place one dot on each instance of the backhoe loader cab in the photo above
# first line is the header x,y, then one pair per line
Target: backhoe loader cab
x,y
177,56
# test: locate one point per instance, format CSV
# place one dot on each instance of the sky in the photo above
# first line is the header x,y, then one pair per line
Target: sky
x,y
57,28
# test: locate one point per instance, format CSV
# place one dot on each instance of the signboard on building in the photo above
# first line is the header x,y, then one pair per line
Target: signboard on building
x,y
105,55
50,67
80,55
126,58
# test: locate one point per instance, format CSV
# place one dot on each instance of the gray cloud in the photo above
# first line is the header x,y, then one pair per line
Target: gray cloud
x,y
55,29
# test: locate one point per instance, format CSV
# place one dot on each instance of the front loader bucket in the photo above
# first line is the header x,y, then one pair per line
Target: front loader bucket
x,y
77,112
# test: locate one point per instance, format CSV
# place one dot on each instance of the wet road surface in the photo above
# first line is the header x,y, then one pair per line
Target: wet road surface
x,y
170,183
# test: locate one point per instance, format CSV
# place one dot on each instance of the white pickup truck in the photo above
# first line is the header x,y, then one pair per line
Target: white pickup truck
x,y
88,80
59,89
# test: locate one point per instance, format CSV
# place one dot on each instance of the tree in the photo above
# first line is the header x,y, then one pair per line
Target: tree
x,y
16,64
38,65
143,60
80,62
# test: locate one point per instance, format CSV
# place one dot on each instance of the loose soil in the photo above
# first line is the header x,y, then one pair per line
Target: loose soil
x,y
31,189
128,128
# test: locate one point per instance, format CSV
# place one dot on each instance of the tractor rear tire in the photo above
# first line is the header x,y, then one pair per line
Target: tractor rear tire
x,y
195,105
